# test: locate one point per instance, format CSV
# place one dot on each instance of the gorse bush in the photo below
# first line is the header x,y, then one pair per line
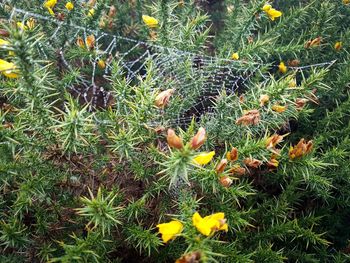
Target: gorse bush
x,y
174,131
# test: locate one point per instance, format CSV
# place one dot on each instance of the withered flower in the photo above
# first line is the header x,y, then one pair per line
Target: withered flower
x,y
313,43
232,155
252,163
193,257
301,149
294,63
251,117
273,140
279,108
237,170
4,33
199,139
221,166
173,140
225,181
264,98
300,103
272,163
163,98
112,11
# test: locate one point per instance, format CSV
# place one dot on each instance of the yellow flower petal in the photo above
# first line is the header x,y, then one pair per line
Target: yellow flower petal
x,y
4,42
266,7
338,45
203,158
20,25
170,230
69,6
282,68
31,23
273,14
51,11
278,108
209,224
50,4
235,56
150,21
8,69
91,12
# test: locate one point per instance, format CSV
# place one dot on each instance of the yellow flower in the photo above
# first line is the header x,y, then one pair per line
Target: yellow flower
x,y
69,6
209,224
346,2
271,12
20,25
4,43
338,46
170,230
91,12
235,56
51,11
203,158
282,68
30,23
50,4
150,21
279,108
8,69
101,64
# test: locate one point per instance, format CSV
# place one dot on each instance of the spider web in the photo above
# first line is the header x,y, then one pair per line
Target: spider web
x,y
197,79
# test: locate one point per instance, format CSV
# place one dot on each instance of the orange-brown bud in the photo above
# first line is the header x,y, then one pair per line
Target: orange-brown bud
x,y
199,139
163,98
225,181
173,140
252,163
232,155
221,166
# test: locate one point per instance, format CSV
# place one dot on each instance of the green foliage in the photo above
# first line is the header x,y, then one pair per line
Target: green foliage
x,y
85,184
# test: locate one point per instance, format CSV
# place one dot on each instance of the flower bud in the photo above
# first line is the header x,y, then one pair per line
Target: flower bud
x,y
225,181
199,139
173,140
163,98
221,166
